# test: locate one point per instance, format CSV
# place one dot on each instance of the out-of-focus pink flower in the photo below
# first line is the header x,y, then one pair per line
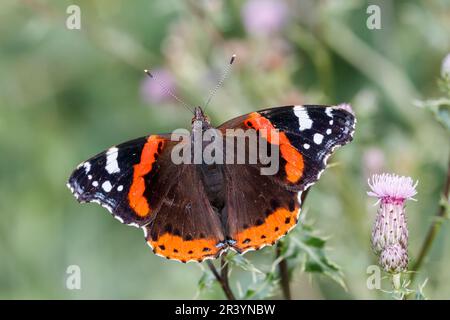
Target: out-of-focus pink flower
x,y
346,107
151,89
445,68
390,230
373,161
264,17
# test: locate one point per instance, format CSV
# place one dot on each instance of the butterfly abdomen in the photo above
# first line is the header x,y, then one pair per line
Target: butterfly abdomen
x,y
214,183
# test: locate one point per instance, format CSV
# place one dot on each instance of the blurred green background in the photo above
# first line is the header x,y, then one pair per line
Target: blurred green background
x,y
67,94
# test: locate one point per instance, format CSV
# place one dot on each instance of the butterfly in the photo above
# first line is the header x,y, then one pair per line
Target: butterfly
x,y
195,211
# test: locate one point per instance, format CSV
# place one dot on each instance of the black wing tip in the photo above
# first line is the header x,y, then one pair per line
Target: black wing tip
x,y
74,190
74,186
350,121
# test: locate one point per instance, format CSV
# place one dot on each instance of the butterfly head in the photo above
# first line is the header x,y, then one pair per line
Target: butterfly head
x,y
200,117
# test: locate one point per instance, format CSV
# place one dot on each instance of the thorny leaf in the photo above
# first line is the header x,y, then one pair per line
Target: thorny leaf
x,y
266,287
240,261
419,293
206,280
309,251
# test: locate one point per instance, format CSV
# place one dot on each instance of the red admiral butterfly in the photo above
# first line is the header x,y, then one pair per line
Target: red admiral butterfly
x,y
190,212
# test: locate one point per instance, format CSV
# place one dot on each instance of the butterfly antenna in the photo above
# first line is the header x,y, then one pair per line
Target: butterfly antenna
x,y
221,81
167,90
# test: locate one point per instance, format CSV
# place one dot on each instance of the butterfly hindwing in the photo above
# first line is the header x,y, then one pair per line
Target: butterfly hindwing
x,y
256,217
185,227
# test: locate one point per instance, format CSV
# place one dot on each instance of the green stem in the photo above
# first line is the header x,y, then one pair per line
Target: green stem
x,y
396,280
434,228
222,278
284,274
283,265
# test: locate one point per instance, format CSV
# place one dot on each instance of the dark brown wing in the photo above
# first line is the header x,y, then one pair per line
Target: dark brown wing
x,y
184,226
259,211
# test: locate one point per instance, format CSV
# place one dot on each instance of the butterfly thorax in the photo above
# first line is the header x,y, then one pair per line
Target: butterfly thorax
x,y
211,174
200,117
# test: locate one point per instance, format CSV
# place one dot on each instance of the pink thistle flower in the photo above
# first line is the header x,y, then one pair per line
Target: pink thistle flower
x,y
392,188
390,231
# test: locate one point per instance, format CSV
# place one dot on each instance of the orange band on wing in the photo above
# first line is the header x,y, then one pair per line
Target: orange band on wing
x,y
136,194
294,166
276,225
175,247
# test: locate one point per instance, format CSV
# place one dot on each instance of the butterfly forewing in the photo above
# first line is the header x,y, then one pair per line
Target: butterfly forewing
x,y
106,179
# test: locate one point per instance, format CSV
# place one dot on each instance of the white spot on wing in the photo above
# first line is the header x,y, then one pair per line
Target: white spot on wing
x,y
95,184
112,166
107,186
318,138
87,166
306,146
133,225
304,120
328,111
328,131
104,205
299,197
119,218
145,231
120,188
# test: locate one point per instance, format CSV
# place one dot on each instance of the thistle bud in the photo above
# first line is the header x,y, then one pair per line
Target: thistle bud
x,y
390,227
390,230
394,259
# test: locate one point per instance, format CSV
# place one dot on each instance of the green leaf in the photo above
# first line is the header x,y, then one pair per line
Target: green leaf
x,y
206,280
440,108
314,241
444,84
265,287
313,267
309,251
419,293
249,294
240,261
